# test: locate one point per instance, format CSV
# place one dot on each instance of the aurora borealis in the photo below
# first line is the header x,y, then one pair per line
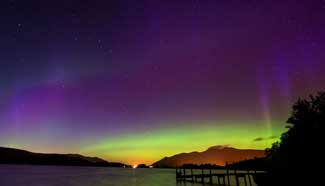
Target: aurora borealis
x,y
135,80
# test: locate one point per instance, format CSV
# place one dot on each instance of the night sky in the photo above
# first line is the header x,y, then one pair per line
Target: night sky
x,y
134,80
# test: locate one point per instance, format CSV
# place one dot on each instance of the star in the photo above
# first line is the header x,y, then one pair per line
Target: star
x,y
126,76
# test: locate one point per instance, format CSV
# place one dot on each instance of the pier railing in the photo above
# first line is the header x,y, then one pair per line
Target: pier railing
x,y
218,176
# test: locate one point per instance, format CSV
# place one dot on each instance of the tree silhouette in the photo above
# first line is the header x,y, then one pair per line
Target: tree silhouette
x,y
300,148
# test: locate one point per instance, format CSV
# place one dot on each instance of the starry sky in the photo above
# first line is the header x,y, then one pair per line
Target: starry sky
x,y
136,80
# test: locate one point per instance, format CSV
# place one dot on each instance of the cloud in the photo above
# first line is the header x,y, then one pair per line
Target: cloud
x,y
263,138
220,146
259,139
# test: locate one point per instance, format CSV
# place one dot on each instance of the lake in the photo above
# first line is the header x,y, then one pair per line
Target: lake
x,y
26,175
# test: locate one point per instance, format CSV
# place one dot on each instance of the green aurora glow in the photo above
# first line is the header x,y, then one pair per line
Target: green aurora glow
x,y
150,146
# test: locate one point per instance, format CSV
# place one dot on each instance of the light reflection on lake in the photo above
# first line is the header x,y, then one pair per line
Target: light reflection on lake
x,y
25,175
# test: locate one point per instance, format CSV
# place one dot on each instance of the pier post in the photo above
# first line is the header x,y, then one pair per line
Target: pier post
x,y
245,180
210,177
184,173
227,172
202,178
236,178
192,175
249,178
219,180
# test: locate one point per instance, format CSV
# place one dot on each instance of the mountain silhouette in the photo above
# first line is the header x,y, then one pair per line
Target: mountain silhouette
x,y
17,156
218,155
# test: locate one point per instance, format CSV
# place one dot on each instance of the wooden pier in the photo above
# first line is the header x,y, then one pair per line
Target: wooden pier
x,y
224,177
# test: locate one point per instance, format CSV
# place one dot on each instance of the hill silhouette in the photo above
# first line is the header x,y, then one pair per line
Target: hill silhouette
x,y
17,156
217,155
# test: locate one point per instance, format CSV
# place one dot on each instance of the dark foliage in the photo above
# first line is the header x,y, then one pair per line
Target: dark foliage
x,y
298,156
142,166
251,164
202,166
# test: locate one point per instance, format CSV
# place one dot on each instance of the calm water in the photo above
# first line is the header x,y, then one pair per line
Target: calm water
x,y
23,175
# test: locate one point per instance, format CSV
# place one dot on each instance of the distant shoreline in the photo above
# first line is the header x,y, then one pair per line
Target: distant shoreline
x,y
4,164
11,156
